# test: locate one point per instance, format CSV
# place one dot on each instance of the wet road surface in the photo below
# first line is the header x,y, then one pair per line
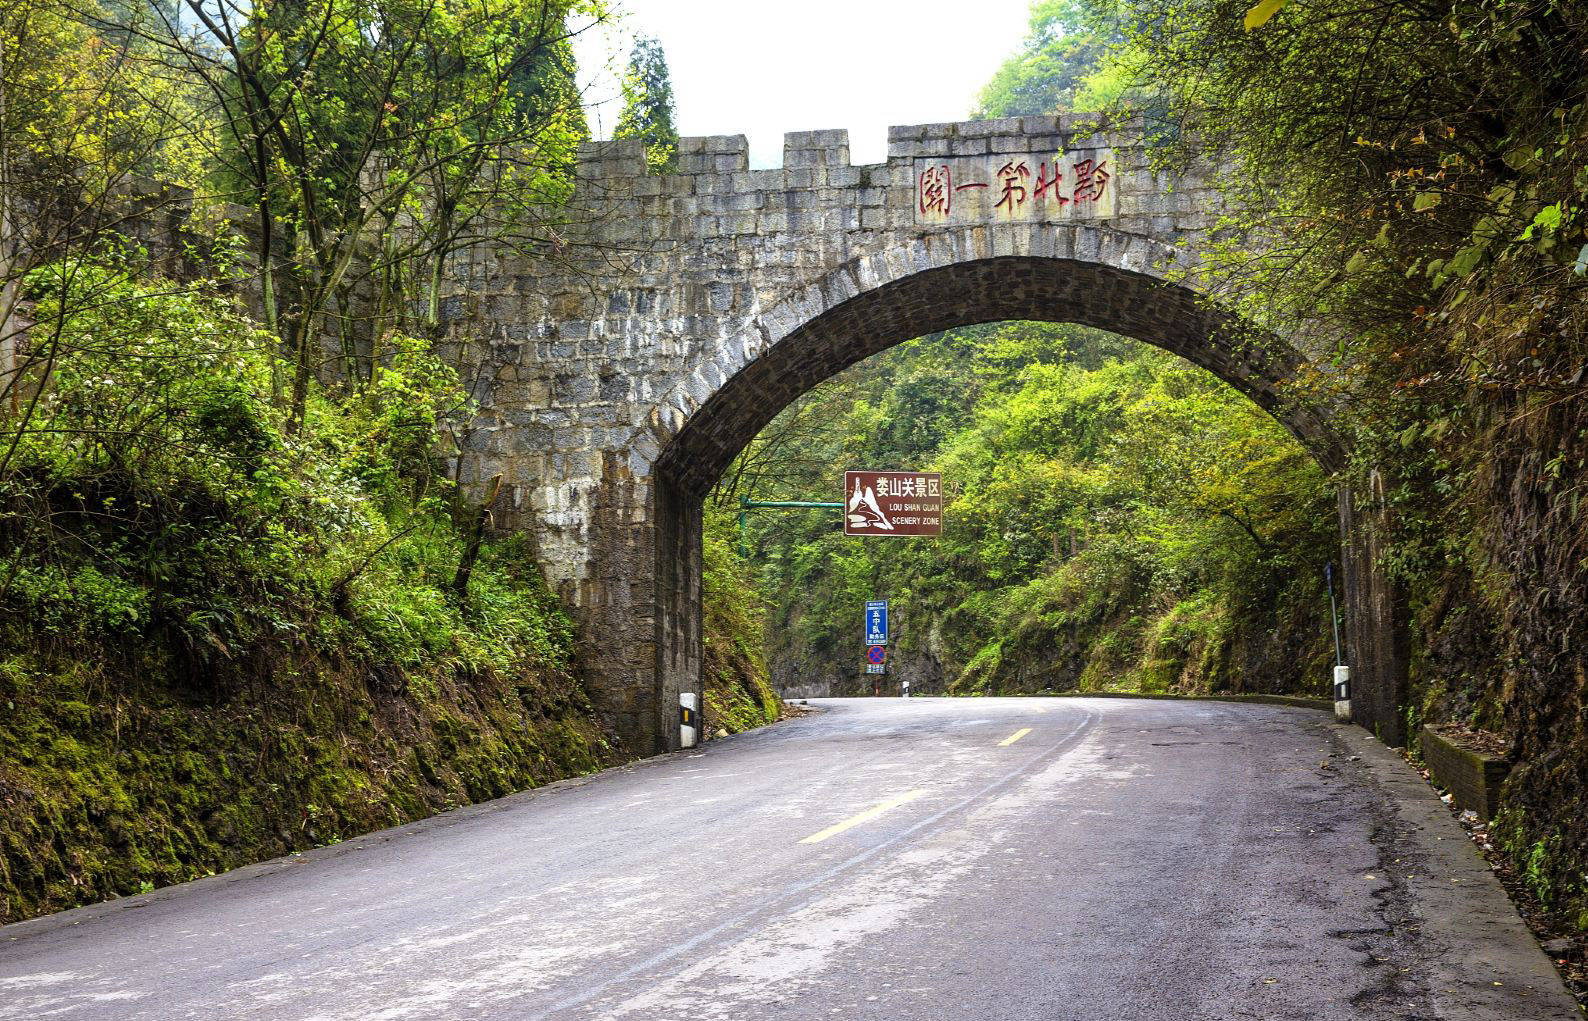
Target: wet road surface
x,y
1005,859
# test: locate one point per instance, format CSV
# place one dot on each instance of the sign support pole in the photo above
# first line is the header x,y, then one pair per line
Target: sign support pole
x,y
746,505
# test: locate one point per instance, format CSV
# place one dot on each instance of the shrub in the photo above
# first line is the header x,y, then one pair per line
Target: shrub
x,y
155,500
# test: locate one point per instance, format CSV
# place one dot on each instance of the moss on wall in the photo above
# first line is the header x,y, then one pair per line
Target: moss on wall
x,y
739,692
114,786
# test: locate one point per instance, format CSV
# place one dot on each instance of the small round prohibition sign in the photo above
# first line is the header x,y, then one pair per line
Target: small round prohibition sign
x,y
876,653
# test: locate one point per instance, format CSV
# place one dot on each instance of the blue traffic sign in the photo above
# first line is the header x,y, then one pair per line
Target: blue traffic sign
x,y
876,654
877,622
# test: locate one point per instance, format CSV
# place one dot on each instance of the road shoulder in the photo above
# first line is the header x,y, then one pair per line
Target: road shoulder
x,y
1483,960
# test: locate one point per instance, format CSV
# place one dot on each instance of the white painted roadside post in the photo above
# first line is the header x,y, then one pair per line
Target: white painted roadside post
x,y
904,689
688,719
1342,673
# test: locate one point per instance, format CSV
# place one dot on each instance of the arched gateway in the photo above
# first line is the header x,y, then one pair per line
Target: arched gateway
x,y
686,310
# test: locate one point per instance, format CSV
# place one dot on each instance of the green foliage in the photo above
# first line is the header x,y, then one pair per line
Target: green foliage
x,y
221,640
155,502
1537,873
373,140
81,112
739,693
648,105
1117,518
1068,45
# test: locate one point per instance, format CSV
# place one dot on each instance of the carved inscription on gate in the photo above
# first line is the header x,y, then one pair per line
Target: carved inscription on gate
x,y
1019,188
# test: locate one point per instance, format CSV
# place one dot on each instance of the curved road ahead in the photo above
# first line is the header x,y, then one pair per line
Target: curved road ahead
x,y
1004,859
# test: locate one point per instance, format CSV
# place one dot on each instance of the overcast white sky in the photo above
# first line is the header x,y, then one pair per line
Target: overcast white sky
x,y
760,68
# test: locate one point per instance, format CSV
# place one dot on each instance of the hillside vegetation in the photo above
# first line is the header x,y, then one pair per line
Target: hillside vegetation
x,y
224,638
1118,519
246,607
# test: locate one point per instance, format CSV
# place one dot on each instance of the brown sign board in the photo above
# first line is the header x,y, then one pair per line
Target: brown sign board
x,y
893,503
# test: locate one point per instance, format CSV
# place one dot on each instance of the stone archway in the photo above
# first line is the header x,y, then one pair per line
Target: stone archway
x,y
887,300
688,309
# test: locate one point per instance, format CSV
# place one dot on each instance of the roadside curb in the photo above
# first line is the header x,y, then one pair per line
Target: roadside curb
x,y
1490,964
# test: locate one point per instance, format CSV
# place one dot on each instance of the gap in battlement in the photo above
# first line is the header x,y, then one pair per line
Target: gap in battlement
x,y
866,147
766,150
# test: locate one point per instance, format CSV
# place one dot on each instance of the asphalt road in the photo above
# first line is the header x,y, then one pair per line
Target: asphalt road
x,y
1002,859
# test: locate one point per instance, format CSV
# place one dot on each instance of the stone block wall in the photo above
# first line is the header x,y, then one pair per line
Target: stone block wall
x,y
620,368
1377,629
1472,778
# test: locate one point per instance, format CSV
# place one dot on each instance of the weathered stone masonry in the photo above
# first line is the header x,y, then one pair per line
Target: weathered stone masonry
x,y
619,380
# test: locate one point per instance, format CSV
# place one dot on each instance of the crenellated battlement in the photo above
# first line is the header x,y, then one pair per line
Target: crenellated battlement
x,y
711,192
728,154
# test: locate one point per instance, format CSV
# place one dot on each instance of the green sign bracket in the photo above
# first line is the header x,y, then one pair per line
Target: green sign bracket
x,y
746,505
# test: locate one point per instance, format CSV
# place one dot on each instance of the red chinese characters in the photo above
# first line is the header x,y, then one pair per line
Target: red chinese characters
x,y
1012,187
1046,184
1090,180
1012,177
934,191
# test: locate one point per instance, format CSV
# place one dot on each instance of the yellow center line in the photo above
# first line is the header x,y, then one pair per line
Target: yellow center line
x,y
866,816
1012,738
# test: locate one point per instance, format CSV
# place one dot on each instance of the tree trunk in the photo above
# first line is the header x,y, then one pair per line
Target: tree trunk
x,y
473,541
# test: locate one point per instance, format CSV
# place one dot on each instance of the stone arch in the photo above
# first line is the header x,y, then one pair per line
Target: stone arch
x,y
1083,274
622,376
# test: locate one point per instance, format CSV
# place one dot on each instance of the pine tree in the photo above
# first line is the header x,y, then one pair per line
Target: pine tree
x,y
648,105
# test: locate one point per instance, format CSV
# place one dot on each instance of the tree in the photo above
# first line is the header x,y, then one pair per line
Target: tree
x,y
648,105
82,114
374,139
1067,44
